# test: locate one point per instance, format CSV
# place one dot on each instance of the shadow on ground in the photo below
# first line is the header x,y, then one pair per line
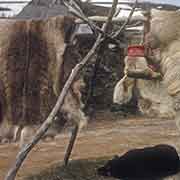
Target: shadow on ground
x,y
76,170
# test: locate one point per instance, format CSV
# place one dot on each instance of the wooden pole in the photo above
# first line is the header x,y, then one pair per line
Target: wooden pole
x,y
147,14
71,144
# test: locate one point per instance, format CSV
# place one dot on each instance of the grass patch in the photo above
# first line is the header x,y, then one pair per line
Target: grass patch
x,y
76,170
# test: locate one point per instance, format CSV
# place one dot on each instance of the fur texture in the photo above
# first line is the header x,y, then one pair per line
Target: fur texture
x,y
33,71
153,99
165,35
146,163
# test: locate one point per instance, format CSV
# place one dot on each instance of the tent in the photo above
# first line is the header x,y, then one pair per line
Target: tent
x,y
47,8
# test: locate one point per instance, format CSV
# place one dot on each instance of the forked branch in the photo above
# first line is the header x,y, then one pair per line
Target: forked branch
x,y
117,33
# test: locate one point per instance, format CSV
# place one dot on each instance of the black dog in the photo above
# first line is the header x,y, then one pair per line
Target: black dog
x,y
148,163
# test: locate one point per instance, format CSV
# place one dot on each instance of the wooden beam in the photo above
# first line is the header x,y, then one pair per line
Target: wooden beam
x,y
146,74
114,20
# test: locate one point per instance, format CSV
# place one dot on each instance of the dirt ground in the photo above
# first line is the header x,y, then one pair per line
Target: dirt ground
x,y
106,135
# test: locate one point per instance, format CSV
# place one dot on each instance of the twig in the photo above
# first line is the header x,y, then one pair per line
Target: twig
x,y
81,16
71,144
97,63
91,24
96,29
42,130
110,16
116,34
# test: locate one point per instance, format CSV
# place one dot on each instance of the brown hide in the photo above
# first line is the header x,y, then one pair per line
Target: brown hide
x,y
31,58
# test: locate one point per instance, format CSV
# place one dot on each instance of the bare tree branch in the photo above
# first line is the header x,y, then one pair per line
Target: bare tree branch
x,y
83,18
110,16
96,29
42,130
116,34
114,19
74,9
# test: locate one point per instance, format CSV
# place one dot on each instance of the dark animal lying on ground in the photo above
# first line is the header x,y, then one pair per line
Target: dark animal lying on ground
x,y
151,162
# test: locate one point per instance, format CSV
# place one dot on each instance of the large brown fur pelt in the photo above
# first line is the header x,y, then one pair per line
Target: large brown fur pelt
x,y
33,71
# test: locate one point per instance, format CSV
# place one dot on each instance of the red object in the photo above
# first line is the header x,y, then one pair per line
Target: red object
x,y
136,51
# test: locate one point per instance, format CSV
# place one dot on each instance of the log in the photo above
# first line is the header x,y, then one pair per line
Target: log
x,y
146,74
114,20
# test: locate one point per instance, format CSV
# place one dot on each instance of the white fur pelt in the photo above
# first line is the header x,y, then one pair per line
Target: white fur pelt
x,y
165,29
165,95
153,99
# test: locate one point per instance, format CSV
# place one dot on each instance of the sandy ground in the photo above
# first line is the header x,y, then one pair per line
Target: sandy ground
x,y
107,134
